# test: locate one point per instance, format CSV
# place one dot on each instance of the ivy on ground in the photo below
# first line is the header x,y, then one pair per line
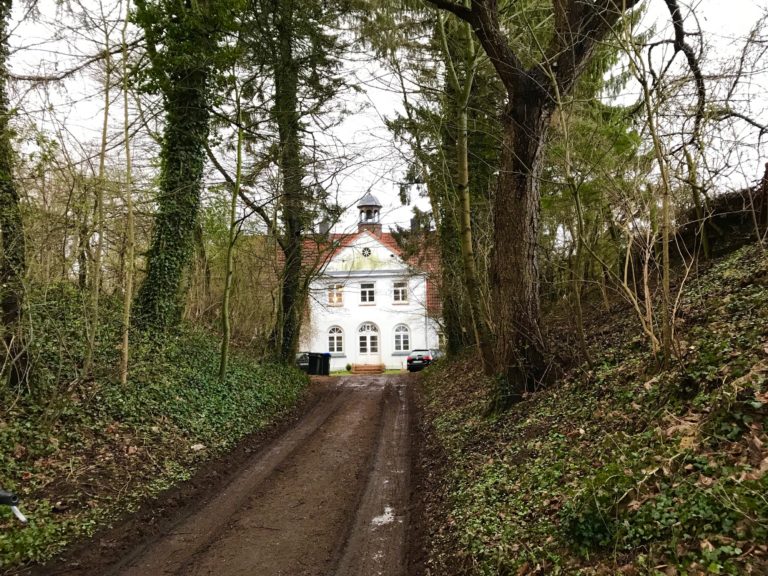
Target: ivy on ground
x,y
620,469
82,452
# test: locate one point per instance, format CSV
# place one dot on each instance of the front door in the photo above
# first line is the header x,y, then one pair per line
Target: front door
x,y
368,344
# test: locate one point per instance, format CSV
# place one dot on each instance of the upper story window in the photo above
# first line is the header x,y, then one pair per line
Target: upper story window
x,y
367,293
335,294
400,292
335,339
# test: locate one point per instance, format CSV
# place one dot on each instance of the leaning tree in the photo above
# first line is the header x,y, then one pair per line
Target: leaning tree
x,y
534,84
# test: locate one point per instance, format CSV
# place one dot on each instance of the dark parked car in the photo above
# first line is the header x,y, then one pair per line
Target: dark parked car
x,y
421,358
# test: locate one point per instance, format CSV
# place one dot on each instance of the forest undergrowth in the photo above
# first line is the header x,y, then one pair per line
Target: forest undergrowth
x,y
622,468
81,452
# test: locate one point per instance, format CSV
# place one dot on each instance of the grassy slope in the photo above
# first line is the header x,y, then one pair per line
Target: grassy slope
x,y
80,453
620,469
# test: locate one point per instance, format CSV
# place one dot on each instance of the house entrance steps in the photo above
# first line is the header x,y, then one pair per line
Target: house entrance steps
x,y
368,368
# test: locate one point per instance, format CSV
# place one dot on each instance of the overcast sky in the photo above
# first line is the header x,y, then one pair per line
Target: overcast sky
x,y
43,46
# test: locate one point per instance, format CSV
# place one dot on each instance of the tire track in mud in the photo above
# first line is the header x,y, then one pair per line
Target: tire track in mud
x,y
199,527
376,545
329,497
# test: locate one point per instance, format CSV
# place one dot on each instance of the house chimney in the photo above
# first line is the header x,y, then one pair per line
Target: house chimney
x,y
324,227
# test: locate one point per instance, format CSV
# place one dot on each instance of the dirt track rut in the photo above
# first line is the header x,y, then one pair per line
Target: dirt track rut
x,y
329,497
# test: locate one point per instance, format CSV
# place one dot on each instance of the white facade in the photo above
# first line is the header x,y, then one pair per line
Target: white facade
x,y
368,307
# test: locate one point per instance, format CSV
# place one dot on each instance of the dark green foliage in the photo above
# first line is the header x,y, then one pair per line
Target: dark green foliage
x,y
295,44
185,52
455,309
99,448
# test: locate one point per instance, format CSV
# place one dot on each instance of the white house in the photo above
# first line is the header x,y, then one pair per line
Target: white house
x,y
368,306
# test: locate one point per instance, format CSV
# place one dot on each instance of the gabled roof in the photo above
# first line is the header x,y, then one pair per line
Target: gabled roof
x,y
427,261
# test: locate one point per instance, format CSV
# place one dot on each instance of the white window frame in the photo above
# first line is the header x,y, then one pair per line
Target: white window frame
x,y
402,338
368,341
335,340
400,292
336,295
368,293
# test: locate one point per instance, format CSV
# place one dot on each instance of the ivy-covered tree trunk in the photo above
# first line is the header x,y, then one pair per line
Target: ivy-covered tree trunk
x,y
13,258
285,335
159,303
183,70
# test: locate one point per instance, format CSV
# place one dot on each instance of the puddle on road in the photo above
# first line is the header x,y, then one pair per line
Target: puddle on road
x,y
387,518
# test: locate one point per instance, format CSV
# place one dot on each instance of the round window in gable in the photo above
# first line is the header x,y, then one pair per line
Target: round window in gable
x,y
366,252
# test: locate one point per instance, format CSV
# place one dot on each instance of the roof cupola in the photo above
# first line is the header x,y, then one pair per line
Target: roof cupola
x,y
370,212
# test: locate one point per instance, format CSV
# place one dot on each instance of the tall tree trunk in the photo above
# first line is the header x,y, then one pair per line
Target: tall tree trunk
x,y
457,337
129,233
285,335
520,357
577,277
667,305
463,89
480,322
226,328
83,239
13,259
93,313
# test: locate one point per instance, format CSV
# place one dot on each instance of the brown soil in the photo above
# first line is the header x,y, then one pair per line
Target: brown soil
x,y
327,495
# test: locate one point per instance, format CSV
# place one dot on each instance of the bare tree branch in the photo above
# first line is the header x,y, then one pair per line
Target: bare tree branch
x,y
253,206
681,45
45,78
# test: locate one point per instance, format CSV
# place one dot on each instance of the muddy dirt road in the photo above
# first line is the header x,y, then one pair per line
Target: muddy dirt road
x,y
328,497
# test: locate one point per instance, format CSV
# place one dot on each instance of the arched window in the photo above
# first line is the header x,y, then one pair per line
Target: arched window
x,y
402,338
369,327
335,339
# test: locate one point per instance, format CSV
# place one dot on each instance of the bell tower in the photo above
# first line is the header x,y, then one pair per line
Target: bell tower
x,y
370,212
